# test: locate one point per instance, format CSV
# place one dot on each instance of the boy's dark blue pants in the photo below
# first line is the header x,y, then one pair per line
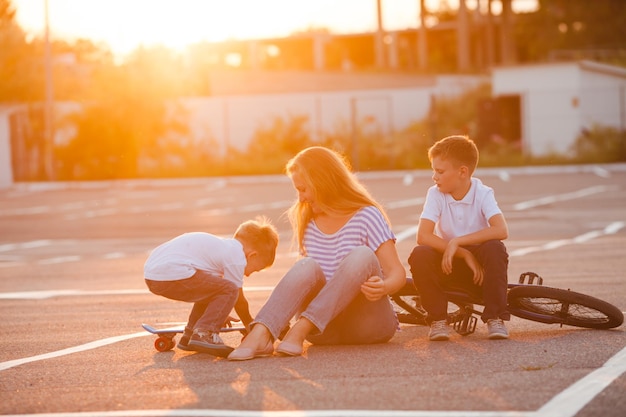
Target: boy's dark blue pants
x,y
213,296
431,282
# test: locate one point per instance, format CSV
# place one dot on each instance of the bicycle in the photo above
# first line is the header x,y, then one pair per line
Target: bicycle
x,y
528,299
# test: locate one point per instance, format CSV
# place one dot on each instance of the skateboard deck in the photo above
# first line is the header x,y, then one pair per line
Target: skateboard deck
x,y
166,335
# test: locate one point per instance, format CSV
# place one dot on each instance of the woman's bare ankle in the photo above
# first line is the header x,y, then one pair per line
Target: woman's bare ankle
x,y
258,337
298,333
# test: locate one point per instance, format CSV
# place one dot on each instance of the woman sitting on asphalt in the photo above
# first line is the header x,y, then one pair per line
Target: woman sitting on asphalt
x,y
338,289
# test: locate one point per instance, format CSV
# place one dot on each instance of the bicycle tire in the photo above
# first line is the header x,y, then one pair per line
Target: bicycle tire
x,y
555,305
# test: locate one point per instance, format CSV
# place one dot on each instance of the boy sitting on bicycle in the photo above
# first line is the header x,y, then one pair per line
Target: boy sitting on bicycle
x,y
459,239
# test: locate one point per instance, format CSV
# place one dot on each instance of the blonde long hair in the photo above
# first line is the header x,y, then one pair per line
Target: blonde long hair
x,y
335,188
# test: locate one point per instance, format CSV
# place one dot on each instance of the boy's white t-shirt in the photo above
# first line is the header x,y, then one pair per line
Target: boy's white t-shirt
x,y
180,257
454,218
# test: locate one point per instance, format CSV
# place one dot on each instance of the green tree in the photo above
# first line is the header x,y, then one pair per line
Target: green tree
x,y
573,29
271,147
16,64
129,117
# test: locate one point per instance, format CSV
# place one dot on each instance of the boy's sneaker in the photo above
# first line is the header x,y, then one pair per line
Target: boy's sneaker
x,y
497,330
209,342
183,343
439,331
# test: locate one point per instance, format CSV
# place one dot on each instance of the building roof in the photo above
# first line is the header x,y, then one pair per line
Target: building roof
x,y
586,65
238,82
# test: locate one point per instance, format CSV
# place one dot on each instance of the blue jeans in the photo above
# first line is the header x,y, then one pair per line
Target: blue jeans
x,y
337,308
213,296
431,282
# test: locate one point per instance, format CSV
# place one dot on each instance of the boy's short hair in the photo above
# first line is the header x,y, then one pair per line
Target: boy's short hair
x,y
461,149
261,235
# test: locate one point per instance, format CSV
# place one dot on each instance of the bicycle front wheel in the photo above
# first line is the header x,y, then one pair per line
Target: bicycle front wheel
x,y
555,305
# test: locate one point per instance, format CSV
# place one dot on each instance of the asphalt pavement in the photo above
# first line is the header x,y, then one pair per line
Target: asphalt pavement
x,y
73,299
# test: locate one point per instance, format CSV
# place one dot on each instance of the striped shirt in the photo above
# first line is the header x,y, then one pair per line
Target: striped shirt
x,y
366,228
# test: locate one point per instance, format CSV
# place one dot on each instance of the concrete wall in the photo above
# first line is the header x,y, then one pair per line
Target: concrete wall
x,y
603,99
232,120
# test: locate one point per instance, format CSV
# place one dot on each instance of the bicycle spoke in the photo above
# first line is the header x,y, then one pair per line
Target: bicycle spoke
x,y
557,308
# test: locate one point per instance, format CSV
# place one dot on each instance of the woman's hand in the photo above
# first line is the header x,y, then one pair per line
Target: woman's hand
x,y
374,288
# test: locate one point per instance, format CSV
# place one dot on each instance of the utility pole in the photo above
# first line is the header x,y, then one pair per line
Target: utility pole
x,y
462,36
489,36
48,153
422,51
507,47
381,60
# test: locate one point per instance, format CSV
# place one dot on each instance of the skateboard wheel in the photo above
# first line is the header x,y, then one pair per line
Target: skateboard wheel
x,y
163,344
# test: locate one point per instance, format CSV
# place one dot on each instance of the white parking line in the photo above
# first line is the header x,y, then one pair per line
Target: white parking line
x,y
25,245
569,402
543,201
405,203
294,413
608,230
59,260
565,404
42,295
69,351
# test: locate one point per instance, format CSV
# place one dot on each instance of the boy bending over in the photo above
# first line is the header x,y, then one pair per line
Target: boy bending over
x,y
208,271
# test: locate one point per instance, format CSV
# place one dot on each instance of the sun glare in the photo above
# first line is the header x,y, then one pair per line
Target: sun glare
x,y
126,24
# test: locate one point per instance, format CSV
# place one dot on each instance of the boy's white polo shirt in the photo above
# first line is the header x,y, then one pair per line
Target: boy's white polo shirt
x,y
454,218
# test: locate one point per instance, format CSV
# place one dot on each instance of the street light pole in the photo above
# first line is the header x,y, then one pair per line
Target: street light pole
x,y
49,103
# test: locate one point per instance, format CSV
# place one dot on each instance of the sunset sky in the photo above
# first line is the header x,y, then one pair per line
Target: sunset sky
x,y
126,24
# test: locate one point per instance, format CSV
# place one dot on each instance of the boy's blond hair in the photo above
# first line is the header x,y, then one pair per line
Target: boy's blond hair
x,y
461,150
260,235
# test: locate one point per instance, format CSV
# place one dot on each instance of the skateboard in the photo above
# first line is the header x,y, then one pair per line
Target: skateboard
x,y
166,339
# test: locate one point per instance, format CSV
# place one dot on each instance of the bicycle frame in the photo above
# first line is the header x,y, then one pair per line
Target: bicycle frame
x,y
459,297
528,299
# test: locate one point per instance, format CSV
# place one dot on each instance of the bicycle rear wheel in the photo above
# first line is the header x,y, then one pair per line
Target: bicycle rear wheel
x,y
555,305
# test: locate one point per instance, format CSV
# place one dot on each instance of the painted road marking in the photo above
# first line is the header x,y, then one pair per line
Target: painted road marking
x,y
59,260
69,351
293,413
25,245
565,404
410,232
608,230
42,295
569,402
405,203
544,201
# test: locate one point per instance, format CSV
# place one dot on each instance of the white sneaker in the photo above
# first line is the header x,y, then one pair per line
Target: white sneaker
x,y
439,331
497,330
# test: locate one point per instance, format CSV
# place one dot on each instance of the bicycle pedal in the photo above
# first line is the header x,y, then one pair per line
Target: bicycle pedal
x,y
465,324
529,278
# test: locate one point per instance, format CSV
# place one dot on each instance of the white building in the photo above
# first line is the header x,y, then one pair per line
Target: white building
x,y
231,120
241,106
559,100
